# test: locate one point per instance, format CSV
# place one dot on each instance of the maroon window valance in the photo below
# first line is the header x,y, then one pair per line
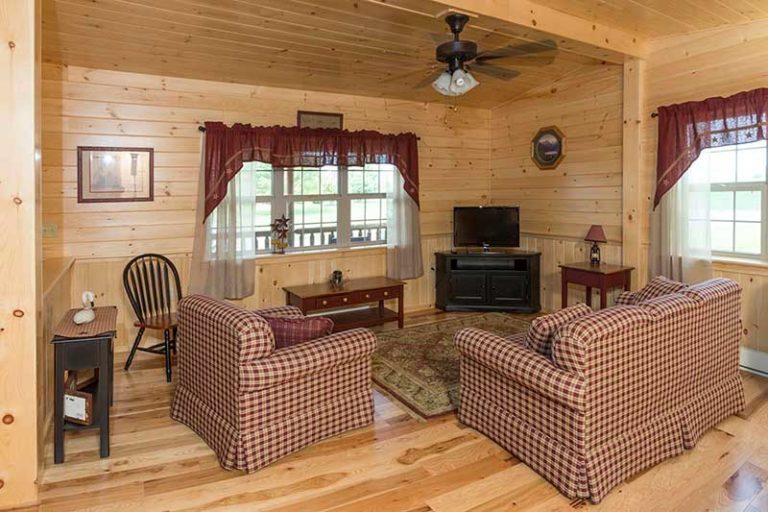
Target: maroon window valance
x,y
228,147
686,129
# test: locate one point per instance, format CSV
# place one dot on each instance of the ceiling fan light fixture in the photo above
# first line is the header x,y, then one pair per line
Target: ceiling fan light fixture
x,y
462,82
443,84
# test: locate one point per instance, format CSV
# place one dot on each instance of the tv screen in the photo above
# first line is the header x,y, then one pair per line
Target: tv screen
x,y
496,226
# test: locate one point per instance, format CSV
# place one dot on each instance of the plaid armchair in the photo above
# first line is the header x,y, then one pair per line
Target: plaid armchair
x,y
253,404
625,388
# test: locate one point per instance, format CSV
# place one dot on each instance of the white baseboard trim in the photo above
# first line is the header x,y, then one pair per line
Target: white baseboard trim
x,y
754,361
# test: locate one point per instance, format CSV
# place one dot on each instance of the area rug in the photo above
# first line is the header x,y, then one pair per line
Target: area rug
x,y
419,365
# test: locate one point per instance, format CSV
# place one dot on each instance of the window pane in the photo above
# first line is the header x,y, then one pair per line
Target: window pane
x,y
314,223
355,182
751,165
371,182
721,206
310,183
262,219
329,181
722,166
748,237
369,220
748,205
722,236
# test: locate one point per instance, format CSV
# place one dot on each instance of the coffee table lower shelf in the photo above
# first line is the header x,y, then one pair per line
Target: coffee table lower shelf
x,y
364,317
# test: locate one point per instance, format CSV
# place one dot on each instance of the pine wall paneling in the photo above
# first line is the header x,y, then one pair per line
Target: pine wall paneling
x,y
559,205
20,267
697,66
97,107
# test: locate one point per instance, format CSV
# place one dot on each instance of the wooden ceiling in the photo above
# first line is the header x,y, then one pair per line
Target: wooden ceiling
x,y
363,47
658,18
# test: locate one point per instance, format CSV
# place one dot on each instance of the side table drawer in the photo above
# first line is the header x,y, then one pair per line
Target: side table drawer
x,y
382,294
334,301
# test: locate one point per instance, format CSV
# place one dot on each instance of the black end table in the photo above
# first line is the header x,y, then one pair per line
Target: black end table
x,y
82,347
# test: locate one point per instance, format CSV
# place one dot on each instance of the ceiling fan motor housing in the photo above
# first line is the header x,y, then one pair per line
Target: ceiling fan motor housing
x,y
453,51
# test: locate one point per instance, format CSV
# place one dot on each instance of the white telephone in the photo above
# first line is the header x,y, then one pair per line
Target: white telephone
x,y
86,314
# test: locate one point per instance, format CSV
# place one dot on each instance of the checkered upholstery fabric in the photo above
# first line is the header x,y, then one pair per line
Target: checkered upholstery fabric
x,y
541,330
290,331
656,287
626,388
281,311
253,404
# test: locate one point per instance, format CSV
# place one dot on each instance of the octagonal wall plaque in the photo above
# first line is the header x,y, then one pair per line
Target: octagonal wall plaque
x,y
548,147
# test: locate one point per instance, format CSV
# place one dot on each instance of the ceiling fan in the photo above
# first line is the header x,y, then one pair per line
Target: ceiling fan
x,y
461,56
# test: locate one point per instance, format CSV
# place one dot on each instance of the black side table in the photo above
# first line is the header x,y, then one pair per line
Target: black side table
x,y
81,347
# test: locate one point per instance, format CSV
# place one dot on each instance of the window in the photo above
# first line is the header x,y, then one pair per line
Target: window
x,y
738,216
328,206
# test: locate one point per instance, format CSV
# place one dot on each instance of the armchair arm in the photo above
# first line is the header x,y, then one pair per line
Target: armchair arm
x,y
522,365
307,358
284,311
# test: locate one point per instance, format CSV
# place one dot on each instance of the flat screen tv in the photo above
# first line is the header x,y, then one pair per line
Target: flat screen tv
x,y
488,226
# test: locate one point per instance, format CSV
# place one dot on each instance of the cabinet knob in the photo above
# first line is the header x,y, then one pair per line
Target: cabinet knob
x,y
386,294
367,295
345,299
325,303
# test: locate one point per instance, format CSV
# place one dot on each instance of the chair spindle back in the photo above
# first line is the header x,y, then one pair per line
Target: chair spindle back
x,y
152,284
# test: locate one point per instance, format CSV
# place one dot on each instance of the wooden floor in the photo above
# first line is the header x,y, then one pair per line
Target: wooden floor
x,y
397,464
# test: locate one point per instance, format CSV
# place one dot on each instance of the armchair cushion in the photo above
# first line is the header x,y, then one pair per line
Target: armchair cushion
x,y
541,330
290,331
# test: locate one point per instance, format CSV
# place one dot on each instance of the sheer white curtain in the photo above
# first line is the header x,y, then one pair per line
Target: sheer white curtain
x,y
681,234
218,266
404,259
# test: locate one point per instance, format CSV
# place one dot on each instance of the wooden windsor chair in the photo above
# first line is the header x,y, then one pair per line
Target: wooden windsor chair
x,y
154,290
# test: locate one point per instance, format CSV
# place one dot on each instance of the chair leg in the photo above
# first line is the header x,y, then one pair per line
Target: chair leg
x,y
175,338
134,348
167,336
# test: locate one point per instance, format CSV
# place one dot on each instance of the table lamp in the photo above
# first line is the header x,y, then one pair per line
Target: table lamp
x,y
595,235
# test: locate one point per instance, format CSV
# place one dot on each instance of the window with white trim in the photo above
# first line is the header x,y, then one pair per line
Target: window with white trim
x,y
738,216
328,206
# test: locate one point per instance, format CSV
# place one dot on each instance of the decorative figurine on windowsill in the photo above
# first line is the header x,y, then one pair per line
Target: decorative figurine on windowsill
x,y
596,235
85,315
280,231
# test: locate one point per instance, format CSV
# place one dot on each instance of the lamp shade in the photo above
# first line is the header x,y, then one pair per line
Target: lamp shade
x,y
596,234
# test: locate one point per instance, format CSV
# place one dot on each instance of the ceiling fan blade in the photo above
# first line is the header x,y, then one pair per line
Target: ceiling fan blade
x,y
496,72
522,51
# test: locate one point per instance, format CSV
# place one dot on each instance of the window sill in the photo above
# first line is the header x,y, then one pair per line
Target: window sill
x,y
740,264
315,254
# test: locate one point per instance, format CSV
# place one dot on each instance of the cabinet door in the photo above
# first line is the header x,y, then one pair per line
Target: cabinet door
x,y
508,289
467,288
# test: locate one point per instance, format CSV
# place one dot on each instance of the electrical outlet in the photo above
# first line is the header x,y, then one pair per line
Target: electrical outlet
x,y
50,230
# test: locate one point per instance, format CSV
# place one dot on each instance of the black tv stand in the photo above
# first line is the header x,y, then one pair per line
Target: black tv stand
x,y
480,280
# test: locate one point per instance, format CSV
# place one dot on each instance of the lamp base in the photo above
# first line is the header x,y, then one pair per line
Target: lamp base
x,y
594,254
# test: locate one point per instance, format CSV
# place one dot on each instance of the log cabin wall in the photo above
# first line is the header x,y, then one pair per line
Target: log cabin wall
x,y
558,206
107,108
692,67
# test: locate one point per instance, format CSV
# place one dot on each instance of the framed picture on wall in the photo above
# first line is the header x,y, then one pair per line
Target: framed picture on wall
x,y
548,147
111,175
319,120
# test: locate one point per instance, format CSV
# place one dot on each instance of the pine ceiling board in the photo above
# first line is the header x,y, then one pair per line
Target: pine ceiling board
x,y
183,23
244,49
351,47
663,17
